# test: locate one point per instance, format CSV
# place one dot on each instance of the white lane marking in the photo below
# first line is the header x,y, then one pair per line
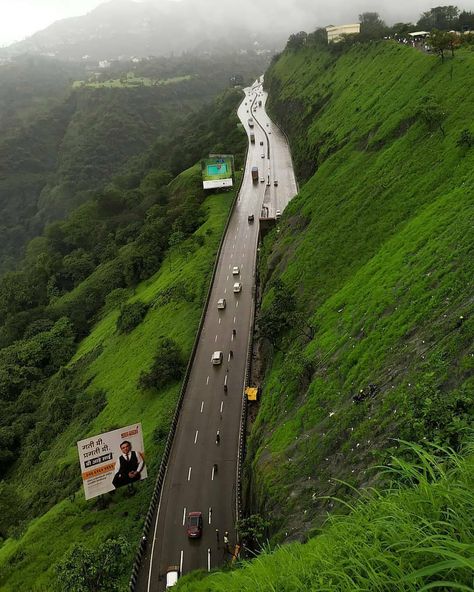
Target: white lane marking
x,y
184,515
225,379
222,406
227,278
215,339
231,255
225,290
212,475
232,338
207,380
233,246
228,358
189,473
196,436
229,265
208,560
210,515
220,321
202,406
181,563
234,320
237,304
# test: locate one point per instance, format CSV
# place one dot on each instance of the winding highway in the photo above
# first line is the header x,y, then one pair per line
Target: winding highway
x,y
202,468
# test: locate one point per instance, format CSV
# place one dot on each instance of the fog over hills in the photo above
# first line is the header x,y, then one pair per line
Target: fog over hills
x,y
128,28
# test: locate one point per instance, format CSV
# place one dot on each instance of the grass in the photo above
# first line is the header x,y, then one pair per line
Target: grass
x,y
406,539
113,362
130,81
377,250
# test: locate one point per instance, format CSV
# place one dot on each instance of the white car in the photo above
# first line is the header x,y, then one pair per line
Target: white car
x,y
236,270
275,182
217,358
237,287
262,179
262,156
172,576
221,303
277,215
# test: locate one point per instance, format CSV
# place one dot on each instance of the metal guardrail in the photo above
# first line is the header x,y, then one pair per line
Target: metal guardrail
x,y
169,442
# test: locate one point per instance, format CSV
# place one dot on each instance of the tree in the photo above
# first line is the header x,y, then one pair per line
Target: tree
x,y
401,29
279,316
252,531
466,139
317,38
371,26
466,21
297,41
442,41
94,570
432,113
131,315
441,17
168,365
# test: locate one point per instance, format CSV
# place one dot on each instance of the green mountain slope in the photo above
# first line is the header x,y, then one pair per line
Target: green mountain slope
x,y
96,327
376,255
62,140
105,371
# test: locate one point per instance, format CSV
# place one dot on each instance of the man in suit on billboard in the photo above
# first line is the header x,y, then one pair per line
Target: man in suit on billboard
x,y
128,466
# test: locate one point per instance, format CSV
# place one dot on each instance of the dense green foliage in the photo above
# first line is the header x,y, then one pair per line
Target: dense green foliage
x,y
168,366
61,144
94,570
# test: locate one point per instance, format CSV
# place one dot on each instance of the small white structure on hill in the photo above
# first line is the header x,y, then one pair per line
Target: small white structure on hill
x,y
335,33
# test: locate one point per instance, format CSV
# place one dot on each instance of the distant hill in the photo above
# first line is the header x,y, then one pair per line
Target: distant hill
x,y
123,28
58,142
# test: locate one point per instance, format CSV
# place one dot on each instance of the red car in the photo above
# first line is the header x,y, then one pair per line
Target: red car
x,y
194,525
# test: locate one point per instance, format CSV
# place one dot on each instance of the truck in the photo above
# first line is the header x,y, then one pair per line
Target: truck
x,y
250,122
255,174
252,138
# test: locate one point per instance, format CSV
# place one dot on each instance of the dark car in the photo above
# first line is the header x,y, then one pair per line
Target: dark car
x,y
250,218
194,525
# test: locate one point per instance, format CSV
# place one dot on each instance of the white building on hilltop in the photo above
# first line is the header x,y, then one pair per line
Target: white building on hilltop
x,y
335,34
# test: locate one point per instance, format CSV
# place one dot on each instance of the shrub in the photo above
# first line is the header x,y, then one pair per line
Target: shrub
x,y
168,366
131,315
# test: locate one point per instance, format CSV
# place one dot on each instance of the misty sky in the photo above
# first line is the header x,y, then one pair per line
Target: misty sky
x,y
21,18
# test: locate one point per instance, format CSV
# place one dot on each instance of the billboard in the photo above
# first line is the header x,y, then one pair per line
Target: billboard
x,y
217,171
111,460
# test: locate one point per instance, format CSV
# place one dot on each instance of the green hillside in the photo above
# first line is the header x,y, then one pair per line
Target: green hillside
x,y
376,253
61,140
96,328
110,362
365,333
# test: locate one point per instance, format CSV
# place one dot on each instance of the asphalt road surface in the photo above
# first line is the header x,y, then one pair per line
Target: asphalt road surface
x,y
192,484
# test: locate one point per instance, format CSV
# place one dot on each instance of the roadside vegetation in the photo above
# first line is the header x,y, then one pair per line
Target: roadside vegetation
x,y
411,537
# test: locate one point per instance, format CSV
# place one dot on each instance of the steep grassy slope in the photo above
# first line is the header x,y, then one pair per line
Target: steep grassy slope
x,y
376,253
108,364
406,539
